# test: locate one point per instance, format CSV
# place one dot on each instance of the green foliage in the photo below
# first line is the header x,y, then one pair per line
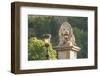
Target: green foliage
x,y
44,25
80,29
37,50
52,53
78,22
81,40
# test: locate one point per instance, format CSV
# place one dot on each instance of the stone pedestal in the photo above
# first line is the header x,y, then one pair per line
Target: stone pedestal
x,y
67,52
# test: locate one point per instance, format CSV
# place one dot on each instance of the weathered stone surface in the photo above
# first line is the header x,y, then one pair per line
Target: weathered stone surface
x,y
67,48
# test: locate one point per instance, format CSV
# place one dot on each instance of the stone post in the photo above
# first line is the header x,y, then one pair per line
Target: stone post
x,y
67,52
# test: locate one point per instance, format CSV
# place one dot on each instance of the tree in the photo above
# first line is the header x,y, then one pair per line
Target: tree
x,y
36,50
81,40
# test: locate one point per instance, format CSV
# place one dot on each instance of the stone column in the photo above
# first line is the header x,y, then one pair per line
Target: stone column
x,y
67,52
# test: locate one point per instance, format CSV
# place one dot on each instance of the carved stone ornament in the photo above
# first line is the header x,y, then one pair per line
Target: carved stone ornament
x,y
67,48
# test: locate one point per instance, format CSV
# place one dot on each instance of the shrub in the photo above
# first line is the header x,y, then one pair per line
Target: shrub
x,y
37,50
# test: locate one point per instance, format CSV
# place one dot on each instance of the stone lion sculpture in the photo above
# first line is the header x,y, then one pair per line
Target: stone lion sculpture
x,y
66,36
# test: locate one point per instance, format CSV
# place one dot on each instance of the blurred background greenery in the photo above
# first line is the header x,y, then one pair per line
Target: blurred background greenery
x,y
39,25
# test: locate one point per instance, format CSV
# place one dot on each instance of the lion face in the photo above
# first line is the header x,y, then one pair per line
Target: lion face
x,y
65,34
